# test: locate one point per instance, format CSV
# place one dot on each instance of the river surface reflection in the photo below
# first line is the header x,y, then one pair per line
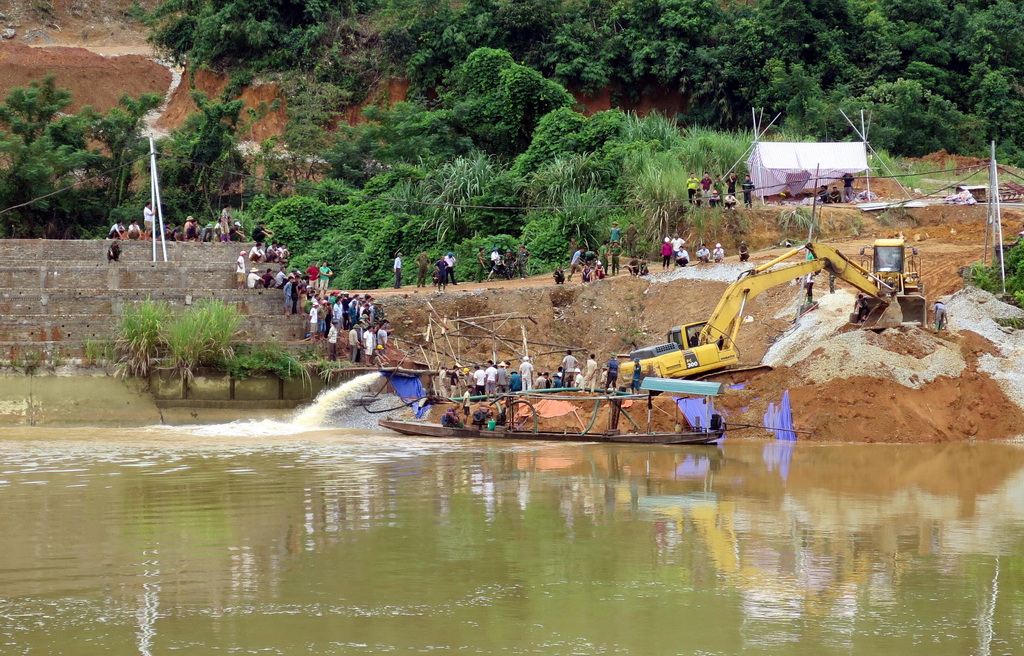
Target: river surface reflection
x,y
247,538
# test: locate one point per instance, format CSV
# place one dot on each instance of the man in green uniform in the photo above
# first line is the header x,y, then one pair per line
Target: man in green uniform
x,y
484,268
616,250
422,269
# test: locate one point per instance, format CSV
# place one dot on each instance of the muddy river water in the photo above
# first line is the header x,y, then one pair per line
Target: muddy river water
x,y
263,538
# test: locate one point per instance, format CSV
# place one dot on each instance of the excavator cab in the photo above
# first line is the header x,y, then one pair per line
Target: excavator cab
x,y
899,267
688,336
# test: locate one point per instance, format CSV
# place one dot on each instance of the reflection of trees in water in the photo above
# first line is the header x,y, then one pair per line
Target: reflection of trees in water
x,y
234,528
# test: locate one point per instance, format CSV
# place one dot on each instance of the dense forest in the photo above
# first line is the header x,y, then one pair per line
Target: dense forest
x,y
491,150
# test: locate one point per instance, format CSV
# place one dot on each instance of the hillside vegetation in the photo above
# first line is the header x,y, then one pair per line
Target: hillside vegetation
x,y
491,150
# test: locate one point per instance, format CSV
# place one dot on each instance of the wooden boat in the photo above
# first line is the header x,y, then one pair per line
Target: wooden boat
x,y
703,429
432,429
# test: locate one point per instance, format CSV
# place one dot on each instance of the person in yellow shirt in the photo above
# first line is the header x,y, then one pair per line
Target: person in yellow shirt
x,y
692,183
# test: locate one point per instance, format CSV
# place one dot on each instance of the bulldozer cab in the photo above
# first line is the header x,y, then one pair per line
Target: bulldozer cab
x,y
688,336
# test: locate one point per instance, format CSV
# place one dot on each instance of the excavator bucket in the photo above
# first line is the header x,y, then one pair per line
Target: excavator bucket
x,y
914,308
883,315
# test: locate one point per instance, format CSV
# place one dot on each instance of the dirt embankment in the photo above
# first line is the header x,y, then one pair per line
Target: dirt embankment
x,y
845,384
93,79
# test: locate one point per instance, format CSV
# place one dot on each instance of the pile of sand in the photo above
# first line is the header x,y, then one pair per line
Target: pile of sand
x,y
723,272
976,310
823,346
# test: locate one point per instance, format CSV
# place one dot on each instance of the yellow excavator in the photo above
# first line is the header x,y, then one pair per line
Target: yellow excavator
x,y
697,348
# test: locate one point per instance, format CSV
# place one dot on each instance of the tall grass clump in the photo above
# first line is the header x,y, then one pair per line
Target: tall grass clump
x,y
139,336
655,128
702,150
657,182
201,337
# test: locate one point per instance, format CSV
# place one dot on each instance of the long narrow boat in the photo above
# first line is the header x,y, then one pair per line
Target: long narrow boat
x,y
431,429
701,427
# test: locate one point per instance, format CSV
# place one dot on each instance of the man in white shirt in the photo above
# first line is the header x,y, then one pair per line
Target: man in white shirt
x,y
495,259
526,373
569,362
332,343
369,343
256,254
449,259
382,336
314,320
280,279
590,376
253,280
147,219
240,270
677,242
718,254
398,270
479,381
491,379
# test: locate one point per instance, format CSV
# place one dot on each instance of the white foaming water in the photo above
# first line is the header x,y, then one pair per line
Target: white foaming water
x,y
333,400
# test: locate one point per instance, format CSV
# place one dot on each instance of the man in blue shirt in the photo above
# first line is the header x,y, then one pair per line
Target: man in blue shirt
x,y
576,264
613,373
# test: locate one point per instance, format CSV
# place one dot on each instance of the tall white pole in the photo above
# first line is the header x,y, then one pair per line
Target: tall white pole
x,y
152,203
156,194
998,237
864,136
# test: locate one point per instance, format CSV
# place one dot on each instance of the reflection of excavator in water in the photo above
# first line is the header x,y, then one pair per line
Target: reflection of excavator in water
x,y
704,346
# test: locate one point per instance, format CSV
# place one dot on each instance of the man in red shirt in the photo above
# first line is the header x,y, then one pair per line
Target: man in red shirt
x,y
313,272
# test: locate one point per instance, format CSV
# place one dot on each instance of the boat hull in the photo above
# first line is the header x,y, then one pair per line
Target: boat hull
x,y
425,429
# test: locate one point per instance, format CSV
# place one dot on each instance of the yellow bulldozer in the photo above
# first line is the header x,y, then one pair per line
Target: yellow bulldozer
x,y
897,265
705,346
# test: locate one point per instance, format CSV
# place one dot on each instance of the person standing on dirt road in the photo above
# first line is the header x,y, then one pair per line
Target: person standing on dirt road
x,y
398,270
422,269
848,187
575,264
941,316
748,192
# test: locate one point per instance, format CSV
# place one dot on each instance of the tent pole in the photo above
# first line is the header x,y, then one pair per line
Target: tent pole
x,y
863,137
814,204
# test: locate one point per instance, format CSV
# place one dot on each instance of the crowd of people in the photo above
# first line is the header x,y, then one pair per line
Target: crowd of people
x,y
222,230
718,192
497,378
673,251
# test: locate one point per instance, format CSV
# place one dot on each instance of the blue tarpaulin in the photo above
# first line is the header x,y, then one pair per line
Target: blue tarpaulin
x,y
779,419
409,389
693,410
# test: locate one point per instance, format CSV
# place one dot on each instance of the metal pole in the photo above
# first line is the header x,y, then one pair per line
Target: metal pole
x,y
156,195
998,237
864,137
152,202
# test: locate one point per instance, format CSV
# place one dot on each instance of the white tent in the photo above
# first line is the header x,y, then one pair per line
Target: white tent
x,y
776,165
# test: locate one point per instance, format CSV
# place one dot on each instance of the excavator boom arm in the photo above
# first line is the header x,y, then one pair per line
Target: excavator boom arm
x,y
725,320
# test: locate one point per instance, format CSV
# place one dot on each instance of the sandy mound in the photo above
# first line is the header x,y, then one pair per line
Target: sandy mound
x,y
823,346
978,310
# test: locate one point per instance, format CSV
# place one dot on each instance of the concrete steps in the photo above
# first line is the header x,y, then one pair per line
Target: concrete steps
x,y
90,302
62,298
33,329
132,252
